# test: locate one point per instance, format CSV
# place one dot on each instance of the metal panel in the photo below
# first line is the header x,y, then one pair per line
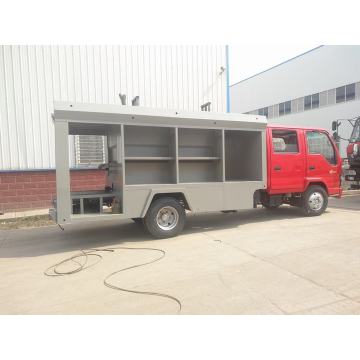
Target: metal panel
x,y
331,96
63,206
32,77
115,114
300,104
271,111
323,98
276,110
357,90
238,196
294,106
202,197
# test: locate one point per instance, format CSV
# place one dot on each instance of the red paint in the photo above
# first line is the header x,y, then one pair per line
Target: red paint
x,y
350,148
354,159
294,172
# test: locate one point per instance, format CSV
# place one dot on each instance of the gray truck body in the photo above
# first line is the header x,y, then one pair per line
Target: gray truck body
x,y
212,161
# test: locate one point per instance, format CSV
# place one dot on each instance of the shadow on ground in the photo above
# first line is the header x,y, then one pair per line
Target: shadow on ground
x,y
50,240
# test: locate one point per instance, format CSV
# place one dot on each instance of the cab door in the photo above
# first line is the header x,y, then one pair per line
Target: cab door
x,y
287,163
323,162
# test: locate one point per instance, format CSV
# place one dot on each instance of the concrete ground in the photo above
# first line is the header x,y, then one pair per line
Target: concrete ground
x,y
349,202
251,262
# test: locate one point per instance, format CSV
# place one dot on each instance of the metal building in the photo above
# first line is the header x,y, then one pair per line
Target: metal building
x,y
32,77
312,89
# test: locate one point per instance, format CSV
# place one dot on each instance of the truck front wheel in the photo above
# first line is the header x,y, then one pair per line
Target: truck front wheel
x,y
165,218
315,201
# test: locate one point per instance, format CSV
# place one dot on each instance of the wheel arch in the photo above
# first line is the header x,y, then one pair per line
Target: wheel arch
x,y
318,183
181,196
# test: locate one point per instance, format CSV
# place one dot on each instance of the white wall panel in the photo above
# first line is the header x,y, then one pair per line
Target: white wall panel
x,y
32,77
323,68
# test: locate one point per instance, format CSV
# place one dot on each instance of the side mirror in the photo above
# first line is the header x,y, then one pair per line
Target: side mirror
x,y
334,125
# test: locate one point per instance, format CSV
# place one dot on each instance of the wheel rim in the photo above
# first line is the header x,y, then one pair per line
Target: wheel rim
x,y
167,218
316,201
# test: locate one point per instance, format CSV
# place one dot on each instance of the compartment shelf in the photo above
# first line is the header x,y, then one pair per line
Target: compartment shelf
x,y
194,171
243,155
146,141
148,158
199,158
200,155
148,172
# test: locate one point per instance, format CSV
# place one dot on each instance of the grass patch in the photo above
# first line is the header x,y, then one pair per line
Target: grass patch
x,y
26,222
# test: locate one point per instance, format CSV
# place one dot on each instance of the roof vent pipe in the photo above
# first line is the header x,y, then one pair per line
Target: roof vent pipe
x,y
135,101
122,99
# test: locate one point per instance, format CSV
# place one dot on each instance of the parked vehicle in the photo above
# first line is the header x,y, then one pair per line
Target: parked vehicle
x,y
161,164
304,168
352,151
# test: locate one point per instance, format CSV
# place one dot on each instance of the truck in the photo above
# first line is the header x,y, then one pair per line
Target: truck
x,y
162,164
352,151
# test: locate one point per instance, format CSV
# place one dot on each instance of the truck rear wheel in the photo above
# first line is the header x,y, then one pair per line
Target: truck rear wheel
x,y
315,201
165,218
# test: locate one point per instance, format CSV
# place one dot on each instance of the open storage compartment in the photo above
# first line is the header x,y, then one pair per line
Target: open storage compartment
x,y
200,155
243,155
149,155
89,195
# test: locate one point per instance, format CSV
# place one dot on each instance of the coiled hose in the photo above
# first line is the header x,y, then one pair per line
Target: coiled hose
x,y
81,265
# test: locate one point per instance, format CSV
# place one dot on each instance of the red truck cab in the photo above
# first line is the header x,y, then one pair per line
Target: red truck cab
x,y
303,169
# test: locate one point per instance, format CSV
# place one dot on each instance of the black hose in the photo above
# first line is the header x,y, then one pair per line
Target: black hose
x,y
82,265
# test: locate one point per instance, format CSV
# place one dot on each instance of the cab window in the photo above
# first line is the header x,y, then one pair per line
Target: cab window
x,y
319,143
285,141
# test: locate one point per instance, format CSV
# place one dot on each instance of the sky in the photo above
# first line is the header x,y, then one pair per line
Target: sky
x,y
249,59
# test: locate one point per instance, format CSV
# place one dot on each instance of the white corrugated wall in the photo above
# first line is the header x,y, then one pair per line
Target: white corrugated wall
x,y
32,77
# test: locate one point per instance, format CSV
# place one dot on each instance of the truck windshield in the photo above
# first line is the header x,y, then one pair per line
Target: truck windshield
x,y
355,136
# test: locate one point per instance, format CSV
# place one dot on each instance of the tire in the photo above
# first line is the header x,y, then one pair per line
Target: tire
x,y
165,218
314,201
137,221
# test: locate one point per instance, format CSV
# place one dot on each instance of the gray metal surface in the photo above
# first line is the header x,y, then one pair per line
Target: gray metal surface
x,y
127,115
217,161
63,203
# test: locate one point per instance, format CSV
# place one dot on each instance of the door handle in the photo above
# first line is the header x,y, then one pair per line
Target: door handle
x,y
312,167
277,167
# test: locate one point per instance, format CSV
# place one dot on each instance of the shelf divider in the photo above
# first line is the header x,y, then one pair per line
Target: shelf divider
x,y
148,158
199,158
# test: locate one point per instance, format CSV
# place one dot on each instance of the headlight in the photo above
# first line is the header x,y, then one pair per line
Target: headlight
x,y
356,149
